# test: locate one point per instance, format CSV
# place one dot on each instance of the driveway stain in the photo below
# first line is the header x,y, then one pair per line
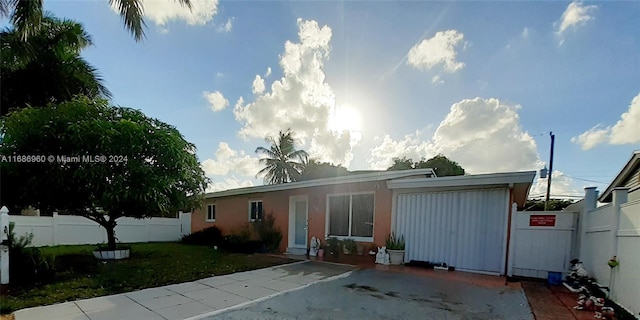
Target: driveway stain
x,y
361,288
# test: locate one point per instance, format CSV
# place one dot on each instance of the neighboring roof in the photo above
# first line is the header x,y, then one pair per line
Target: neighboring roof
x,y
620,180
361,177
520,182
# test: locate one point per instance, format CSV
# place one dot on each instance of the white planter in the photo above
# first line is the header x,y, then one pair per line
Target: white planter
x,y
396,257
112,254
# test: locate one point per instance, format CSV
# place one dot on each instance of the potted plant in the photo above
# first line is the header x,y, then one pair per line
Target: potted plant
x,y
103,252
349,246
334,246
395,247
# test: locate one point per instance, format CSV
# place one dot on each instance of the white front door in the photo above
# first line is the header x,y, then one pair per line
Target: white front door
x,y
298,215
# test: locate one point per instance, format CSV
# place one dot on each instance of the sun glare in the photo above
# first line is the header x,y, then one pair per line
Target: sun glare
x,y
345,118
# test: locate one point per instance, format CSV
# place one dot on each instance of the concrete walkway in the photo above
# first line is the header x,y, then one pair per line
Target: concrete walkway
x,y
193,300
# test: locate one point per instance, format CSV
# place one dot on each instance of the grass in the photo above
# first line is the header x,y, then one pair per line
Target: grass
x,y
79,275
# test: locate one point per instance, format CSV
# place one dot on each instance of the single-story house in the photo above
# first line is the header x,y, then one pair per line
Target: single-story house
x,y
629,177
461,220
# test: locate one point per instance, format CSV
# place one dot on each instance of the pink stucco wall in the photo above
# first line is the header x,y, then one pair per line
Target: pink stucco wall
x,y
233,211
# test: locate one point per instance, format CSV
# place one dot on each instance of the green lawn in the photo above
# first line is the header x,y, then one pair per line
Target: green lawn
x,y
80,276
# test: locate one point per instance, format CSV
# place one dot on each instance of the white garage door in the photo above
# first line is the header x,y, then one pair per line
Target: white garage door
x,y
465,229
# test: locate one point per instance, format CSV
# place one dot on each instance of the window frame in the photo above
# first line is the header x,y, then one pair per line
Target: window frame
x,y
257,214
350,194
206,218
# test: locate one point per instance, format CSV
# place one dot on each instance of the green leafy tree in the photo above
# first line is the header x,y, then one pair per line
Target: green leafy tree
x,y
27,15
315,169
134,165
442,165
48,67
282,162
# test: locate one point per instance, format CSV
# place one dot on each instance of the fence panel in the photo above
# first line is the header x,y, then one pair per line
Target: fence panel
x,y
626,276
69,230
542,242
598,241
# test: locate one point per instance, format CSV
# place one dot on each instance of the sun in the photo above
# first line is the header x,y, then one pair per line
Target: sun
x,y
345,118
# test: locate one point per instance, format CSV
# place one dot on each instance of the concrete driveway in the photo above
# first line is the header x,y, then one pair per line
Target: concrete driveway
x,y
374,294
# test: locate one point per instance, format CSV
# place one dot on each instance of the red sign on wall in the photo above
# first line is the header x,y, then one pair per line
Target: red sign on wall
x,y
542,220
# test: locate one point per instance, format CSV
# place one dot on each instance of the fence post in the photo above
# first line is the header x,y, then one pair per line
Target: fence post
x,y
54,228
4,250
590,204
620,196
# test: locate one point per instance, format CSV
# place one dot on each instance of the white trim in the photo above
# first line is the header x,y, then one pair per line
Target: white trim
x,y
292,222
206,218
494,179
352,178
350,194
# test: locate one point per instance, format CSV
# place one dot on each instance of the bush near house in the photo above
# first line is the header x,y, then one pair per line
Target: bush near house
x,y
27,265
211,236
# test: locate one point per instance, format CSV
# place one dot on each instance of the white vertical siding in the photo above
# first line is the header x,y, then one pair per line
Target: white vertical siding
x,y
465,229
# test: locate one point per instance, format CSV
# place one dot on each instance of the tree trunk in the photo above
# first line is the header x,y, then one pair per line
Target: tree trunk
x,y
111,236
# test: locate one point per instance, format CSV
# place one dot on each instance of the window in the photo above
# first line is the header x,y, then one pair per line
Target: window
x,y
255,210
211,212
351,215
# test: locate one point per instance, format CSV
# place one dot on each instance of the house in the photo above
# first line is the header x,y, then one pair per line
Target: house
x,y
461,220
629,177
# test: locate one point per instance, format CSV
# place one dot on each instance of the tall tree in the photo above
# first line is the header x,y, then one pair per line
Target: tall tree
x,y
283,163
315,169
48,67
98,161
27,15
442,165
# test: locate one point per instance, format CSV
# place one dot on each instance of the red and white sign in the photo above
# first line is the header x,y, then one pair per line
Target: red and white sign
x,y
542,220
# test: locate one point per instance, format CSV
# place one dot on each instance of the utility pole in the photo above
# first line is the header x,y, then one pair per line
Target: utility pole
x,y
546,203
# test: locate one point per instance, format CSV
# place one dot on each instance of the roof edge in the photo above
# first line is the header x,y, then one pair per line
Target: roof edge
x,y
622,175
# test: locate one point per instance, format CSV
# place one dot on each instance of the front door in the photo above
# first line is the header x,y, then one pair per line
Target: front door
x,y
298,215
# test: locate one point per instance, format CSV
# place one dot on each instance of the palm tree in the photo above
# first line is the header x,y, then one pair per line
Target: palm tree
x,y
283,163
27,15
48,67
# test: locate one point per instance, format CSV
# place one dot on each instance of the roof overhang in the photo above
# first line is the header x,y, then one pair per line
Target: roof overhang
x,y
626,172
519,182
352,178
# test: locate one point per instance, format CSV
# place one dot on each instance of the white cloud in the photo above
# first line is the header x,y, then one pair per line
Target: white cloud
x,y
439,50
574,16
562,186
525,32
268,73
436,80
219,74
227,183
258,85
216,100
163,11
227,26
300,100
625,131
228,161
482,135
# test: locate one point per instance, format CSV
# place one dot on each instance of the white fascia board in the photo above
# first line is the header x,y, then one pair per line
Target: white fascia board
x,y
493,179
355,178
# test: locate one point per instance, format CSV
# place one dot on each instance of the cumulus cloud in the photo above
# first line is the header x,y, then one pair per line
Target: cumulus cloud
x,y
625,131
300,100
163,11
268,73
227,183
576,15
482,135
258,85
562,186
216,100
437,51
228,161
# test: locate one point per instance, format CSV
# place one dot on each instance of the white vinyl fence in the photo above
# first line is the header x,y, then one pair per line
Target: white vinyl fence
x,y
613,230
67,230
542,242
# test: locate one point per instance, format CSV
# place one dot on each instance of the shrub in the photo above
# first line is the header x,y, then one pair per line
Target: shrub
x,y
27,266
334,245
395,243
211,236
269,234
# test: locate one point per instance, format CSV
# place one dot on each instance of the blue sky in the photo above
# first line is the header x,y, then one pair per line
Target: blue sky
x,y
362,82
